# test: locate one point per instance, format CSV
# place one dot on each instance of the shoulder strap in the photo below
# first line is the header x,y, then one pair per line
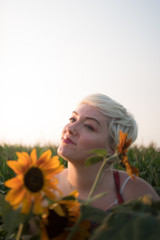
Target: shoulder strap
x,y
117,186
124,184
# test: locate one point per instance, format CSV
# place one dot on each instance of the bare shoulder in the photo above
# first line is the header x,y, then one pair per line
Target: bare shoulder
x,y
137,187
62,175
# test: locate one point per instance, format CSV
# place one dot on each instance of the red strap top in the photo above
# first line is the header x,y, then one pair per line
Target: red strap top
x,y
117,186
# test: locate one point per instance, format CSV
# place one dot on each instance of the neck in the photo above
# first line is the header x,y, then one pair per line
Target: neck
x,y
82,178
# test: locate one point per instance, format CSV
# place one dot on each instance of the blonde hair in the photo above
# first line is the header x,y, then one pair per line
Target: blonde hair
x,y
118,117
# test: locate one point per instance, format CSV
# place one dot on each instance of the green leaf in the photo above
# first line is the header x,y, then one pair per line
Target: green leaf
x,y
134,220
93,160
92,213
128,226
69,198
100,152
11,218
91,199
98,155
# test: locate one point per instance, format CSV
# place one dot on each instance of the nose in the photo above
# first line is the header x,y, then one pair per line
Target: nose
x,y
72,128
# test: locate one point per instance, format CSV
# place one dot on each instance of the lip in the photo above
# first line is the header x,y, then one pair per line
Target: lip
x,y
68,141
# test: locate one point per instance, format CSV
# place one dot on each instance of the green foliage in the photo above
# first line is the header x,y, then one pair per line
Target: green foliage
x,y
11,218
147,160
99,155
133,220
93,214
93,160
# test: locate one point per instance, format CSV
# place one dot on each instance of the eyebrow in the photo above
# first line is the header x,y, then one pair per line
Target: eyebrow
x,y
88,118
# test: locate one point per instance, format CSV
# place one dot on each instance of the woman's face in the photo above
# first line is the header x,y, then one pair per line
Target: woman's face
x,y
87,130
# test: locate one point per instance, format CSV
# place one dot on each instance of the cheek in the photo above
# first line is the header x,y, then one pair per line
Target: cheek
x,y
94,142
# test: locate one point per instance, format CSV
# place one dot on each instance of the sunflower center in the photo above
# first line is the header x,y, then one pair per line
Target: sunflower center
x,y
56,223
33,179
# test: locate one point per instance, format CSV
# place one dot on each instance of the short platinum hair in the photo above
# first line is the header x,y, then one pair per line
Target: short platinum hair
x,y
118,117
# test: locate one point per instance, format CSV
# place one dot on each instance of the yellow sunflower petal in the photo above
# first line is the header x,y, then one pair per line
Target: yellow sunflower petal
x,y
33,156
123,145
128,166
56,162
27,201
53,165
129,170
51,183
38,208
15,166
23,158
122,136
121,139
16,206
75,194
15,196
58,209
15,182
50,194
51,172
47,165
70,203
58,170
50,163
55,159
128,143
135,171
44,157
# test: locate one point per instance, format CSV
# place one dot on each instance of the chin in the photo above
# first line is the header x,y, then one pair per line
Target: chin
x,y
59,151
62,152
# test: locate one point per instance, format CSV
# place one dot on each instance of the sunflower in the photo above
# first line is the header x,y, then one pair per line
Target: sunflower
x,y
122,149
60,217
123,143
34,180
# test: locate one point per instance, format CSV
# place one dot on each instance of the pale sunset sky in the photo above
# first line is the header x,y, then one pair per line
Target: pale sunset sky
x,y
55,52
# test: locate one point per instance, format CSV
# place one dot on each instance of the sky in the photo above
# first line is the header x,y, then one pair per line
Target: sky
x,y
55,52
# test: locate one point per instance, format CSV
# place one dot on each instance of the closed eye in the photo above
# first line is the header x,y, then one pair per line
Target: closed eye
x,y
89,127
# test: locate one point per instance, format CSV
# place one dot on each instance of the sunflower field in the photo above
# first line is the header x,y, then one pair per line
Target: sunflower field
x,y
135,220
146,159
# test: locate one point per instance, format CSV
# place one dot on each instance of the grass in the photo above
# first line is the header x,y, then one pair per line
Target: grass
x,y
146,159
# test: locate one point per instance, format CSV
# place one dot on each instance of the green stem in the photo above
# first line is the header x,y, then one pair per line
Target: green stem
x,y
97,179
110,160
74,228
18,237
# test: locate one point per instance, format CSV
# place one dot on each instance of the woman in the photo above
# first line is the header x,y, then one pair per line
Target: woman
x,y
95,124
